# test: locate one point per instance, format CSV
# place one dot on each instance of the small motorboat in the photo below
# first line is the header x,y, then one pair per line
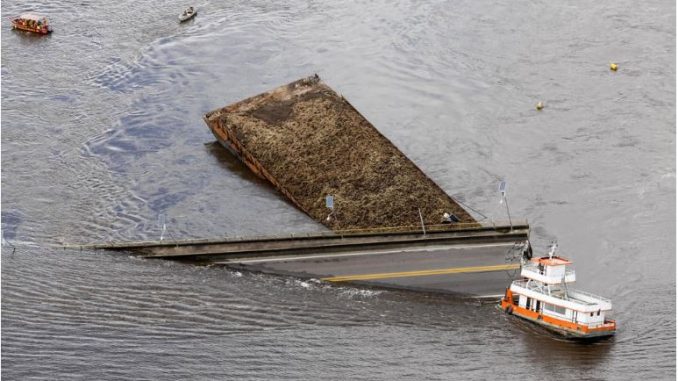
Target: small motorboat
x,y
188,14
32,23
544,297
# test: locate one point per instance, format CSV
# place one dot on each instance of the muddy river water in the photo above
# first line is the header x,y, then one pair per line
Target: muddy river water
x,y
102,137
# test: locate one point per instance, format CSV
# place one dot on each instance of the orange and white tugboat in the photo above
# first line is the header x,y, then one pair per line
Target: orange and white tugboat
x,y
32,23
544,297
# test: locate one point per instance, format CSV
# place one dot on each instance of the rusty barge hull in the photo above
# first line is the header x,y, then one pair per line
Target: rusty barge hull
x,y
310,142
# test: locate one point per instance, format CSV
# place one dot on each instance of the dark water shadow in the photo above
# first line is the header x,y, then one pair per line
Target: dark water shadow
x,y
26,38
135,135
189,22
11,219
553,349
232,164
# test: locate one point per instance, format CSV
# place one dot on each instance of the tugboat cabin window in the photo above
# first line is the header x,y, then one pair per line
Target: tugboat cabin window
x,y
556,309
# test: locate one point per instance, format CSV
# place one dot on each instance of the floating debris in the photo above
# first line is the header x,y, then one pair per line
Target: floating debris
x,y
540,106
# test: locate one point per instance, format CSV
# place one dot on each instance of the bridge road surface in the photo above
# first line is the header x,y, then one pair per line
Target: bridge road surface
x,y
479,270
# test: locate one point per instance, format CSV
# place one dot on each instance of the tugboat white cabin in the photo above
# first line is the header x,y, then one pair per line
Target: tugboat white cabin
x,y
544,296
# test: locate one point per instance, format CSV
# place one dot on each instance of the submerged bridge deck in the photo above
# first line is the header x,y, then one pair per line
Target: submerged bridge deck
x,y
476,260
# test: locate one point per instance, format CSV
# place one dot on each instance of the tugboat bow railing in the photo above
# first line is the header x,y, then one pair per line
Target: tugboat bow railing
x,y
568,295
590,295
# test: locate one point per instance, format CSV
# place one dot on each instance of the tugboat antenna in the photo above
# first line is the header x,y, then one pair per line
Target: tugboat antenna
x,y
552,251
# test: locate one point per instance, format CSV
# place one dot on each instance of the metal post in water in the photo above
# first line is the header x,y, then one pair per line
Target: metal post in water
x,y
504,199
507,212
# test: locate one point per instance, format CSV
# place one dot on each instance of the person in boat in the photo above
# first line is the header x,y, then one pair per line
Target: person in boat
x,y
527,251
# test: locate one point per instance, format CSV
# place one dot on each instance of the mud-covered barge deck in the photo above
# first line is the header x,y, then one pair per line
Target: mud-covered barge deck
x,y
310,142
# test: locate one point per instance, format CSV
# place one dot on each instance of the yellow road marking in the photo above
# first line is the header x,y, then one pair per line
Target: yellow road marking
x,y
453,270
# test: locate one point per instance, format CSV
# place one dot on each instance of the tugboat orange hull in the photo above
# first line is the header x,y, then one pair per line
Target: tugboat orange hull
x,y
562,327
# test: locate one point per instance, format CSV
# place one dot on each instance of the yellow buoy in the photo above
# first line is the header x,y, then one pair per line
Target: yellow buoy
x,y
613,66
540,105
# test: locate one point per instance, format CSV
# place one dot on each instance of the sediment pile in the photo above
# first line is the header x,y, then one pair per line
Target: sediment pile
x,y
309,142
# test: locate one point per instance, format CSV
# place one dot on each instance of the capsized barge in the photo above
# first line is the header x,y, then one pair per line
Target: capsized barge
x,y
385,227
310,142
545,296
